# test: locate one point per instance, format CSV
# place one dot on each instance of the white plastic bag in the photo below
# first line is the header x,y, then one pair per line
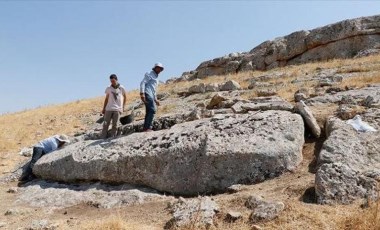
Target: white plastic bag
x,y
360,125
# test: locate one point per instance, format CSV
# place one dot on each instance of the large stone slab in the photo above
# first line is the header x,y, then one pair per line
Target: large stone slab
x,y
202,156
43,194
349,164
344,39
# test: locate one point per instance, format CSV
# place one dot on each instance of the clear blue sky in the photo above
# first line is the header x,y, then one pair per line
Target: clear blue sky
x,y
59,51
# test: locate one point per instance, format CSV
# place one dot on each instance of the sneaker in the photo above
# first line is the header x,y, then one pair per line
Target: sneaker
x,y
148,130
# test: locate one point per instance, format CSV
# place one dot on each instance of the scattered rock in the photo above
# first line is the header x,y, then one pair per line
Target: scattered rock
x,y
12,190
230,86
367,52
12,212
162,96
325,82
233,216
256,227
266,92
255,84
213,87
195,213
310,120
262,104
201,88
235,188
333,90
347,100
3,224
368,101
263,210
346,112
216,101
299,97
198,113
350,96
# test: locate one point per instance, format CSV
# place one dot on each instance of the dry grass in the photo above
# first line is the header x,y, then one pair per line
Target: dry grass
x,y
369,67
115,222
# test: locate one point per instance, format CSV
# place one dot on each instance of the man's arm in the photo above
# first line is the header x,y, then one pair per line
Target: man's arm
x,y
125,100
142,87
105,104
155,99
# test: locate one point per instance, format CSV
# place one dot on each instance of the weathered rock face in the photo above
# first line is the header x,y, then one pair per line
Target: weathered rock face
x,y
356,96
263,104
310,120
202,156
345,39
196,213
348,164
57,195
262,209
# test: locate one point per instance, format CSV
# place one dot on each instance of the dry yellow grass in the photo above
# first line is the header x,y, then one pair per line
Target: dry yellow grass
x,y
285,89
114,222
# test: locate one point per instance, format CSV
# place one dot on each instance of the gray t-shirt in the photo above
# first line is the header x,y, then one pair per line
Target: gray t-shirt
x,y
115,98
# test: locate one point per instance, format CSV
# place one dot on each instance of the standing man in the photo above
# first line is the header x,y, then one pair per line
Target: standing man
x,y
114,105
148,95
45,146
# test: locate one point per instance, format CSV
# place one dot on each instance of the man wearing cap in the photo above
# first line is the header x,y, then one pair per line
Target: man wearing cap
x,y
45,146
114,105
148,94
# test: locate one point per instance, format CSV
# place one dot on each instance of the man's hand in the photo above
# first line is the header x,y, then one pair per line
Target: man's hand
x,y
142,96
157,102
103,111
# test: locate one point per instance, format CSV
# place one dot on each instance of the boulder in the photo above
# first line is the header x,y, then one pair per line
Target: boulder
x,y
255,84
346,112
230,86
194,213
233,216
216,100
201,156
213,87
309,118
347,164
201,88
263,210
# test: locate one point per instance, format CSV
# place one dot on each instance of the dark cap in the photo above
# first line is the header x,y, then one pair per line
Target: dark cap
x,y
113,76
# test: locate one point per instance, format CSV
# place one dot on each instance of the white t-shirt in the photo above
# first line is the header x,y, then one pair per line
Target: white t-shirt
x,y
115,98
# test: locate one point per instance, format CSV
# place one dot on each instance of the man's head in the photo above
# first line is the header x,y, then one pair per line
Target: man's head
x,y
113,79
158,68
63,139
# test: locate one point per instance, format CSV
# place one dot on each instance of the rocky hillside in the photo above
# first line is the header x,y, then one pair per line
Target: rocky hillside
x,y
346,39
294,147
